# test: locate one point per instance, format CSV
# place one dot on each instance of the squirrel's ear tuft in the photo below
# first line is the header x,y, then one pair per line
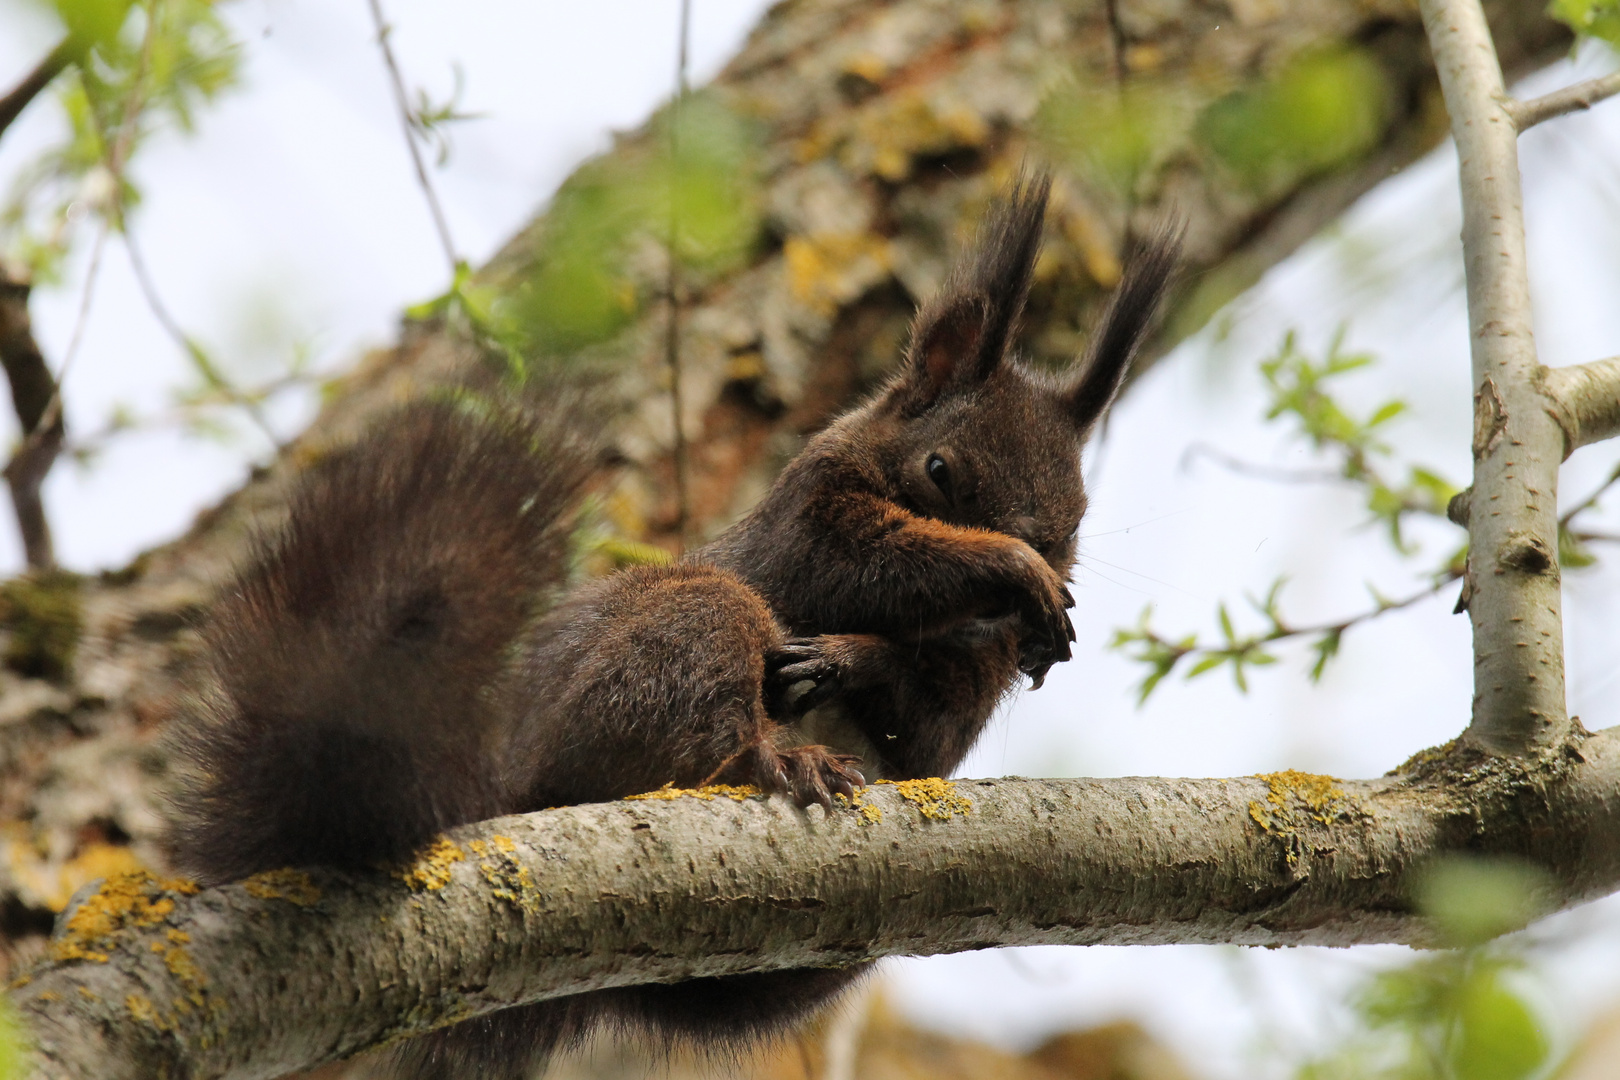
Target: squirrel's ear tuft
x,y
959,338
1148,270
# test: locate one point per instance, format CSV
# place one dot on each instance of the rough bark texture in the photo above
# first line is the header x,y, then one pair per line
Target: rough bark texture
x,y
886,126
291,969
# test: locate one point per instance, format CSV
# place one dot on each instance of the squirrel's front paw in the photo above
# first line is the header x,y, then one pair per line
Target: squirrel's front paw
x,y
1047,629
800,674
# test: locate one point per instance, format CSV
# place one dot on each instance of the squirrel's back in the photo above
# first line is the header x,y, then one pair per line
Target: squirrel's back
x,y
355,707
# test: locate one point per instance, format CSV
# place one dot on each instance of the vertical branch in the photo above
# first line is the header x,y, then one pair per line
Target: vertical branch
x,y
1512,589
33,390
672,335
403,104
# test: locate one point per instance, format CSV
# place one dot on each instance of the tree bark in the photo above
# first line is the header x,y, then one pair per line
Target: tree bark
x,y
291,969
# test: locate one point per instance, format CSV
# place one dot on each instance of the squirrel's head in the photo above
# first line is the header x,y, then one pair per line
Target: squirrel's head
x,y
977,437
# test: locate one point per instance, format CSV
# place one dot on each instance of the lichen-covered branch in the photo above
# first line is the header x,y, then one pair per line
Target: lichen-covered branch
x,y
1587,400
1512,585
291,968
1583,95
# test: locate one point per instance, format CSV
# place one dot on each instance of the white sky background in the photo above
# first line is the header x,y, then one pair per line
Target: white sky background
x,y
291,219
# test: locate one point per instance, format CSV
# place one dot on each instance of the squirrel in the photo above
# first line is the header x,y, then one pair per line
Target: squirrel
x,y
381,675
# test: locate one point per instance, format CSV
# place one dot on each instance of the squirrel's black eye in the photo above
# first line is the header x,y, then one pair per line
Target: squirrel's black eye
x,y
939,473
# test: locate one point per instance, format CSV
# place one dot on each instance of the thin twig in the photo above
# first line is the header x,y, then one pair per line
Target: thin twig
x,y
1591,500
402,102
199,358
1283,631
672,337
117,157
95,441
19,97
1583,95
1262,472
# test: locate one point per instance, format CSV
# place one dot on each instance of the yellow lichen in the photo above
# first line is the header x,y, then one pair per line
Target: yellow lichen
x,y
293,886
431,870
88,994
830,269
1295,798
42,880
142,1009
933,797
708,793
124,901
869,814
508,879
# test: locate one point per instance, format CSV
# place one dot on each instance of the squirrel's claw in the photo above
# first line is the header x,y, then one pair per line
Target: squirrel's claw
x,y
813,774
794,662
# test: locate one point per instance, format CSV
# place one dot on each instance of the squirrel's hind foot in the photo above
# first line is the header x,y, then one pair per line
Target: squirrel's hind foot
x,y
809,774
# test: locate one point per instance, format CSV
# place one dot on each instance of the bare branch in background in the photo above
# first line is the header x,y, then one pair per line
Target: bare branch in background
x,y
403,104
33,394
672,333
1583,95
32,84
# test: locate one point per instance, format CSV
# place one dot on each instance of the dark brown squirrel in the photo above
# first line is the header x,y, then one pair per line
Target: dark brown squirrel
x,y
380,677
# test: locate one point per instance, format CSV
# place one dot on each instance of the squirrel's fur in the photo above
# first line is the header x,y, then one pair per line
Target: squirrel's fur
x,y
380,675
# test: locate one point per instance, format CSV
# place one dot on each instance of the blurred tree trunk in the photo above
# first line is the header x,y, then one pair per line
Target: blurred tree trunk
x,y
886,127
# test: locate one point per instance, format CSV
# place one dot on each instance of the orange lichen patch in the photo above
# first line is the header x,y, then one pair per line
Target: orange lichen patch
x,y
830,269
869,814
709,793
41,880
1320,796
508,879
896,128
934,798
431,870
293,886
181,965
124,901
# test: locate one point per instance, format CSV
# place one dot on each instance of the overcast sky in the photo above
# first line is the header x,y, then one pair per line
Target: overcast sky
x,y
291,220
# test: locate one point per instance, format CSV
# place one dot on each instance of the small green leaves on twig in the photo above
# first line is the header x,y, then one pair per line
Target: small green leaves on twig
x,y
586,276
429,121
1241,651
1298,389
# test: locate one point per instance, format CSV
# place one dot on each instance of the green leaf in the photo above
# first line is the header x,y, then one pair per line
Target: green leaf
x,y
1226,622
1320,109
1326,648
1591,18
1498,1036
1473,900
1210,662
1387,411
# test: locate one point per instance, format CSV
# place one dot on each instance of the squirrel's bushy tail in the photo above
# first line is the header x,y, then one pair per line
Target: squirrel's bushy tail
x,y
357,662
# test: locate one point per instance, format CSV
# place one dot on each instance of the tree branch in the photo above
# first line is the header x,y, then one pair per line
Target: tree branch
x,y
1583,95
19,97
1513,579
1587,401
33,395
148,979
